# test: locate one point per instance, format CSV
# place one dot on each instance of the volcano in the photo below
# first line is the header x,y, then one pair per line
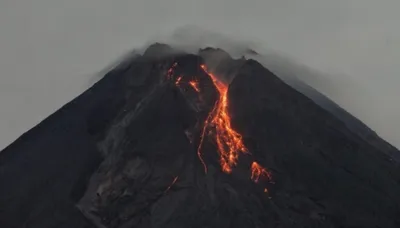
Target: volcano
x,y
172,139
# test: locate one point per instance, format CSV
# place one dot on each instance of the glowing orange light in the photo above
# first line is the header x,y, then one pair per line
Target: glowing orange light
x,y
257,171
203,133
229,142
195,85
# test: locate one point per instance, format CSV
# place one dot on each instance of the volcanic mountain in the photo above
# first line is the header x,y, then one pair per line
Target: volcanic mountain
x,y
169,139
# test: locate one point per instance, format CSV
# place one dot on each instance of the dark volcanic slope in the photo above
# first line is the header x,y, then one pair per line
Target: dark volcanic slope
x,y
124,154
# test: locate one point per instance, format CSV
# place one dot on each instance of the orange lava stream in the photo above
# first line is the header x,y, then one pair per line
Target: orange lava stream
x,y
229,142
203,133
195,86
257,171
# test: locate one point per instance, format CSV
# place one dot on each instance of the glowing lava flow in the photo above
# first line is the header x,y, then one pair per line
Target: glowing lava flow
x,y
258,171
195,86
203,134
229,142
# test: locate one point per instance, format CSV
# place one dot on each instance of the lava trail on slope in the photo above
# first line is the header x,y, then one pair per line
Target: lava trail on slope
x,y
218,124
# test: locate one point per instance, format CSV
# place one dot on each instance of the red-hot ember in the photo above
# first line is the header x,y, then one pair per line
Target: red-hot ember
x,y
257,171
195,85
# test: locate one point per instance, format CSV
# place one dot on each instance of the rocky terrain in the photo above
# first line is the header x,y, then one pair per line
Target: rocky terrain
x,y
170,139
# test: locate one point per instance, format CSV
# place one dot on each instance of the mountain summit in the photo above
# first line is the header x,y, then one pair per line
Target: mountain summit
x,y
169,139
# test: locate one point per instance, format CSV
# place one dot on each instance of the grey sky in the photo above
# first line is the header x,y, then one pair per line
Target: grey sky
x,y
49,49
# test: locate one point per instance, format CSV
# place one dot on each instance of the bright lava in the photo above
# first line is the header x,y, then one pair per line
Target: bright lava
x,y
257,171
229,142
195,86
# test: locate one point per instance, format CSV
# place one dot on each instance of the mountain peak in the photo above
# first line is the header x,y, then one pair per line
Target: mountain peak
x,y
195,140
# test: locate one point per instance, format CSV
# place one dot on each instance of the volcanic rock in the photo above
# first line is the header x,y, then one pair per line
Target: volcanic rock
x,y
126,153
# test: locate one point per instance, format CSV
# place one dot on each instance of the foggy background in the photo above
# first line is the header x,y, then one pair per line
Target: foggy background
x,y
51,49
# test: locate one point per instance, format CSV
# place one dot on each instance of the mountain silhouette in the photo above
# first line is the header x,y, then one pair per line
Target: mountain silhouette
x,y
172,139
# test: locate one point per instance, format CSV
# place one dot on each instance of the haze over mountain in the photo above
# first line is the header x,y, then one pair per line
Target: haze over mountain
x,y
352,45
177,139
